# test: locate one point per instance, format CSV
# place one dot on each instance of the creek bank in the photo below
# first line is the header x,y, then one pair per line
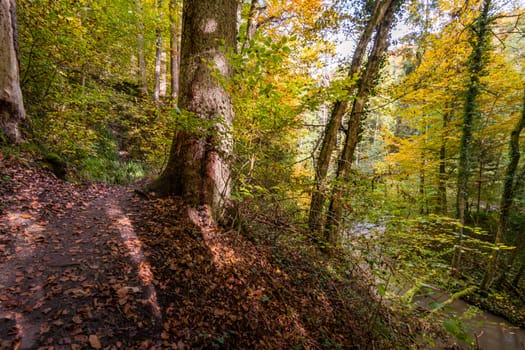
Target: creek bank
x,y
487,330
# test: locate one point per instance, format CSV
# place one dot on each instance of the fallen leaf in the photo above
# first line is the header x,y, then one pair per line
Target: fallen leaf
x,y
44,328
94,342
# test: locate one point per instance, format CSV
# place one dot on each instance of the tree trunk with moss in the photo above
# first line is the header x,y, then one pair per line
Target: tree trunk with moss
x,y
198,165
507,196
476,66
12,113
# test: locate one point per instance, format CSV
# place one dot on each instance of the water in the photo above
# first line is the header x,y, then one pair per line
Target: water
x,y
490,332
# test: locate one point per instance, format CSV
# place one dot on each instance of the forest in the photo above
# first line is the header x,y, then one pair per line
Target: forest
x,y
262,174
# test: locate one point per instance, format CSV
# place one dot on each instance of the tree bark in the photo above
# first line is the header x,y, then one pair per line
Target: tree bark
x,y
476,66
12,112
198,168
357,115
520,273
315,219
158,53
507,196
174,48
141,51
251,25
442,177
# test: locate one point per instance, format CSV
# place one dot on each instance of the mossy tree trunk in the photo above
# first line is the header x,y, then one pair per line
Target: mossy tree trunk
x,y
198,168
507,196
12,112
476,66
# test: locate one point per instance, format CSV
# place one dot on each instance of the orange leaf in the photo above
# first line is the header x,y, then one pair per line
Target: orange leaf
x,y
94,342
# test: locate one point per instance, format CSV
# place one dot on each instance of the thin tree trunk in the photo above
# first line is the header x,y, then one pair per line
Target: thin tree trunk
x,y
315,220
141,52
158,53
480,186
251,25
477,63
174,48
423,208
442,178
198,166
12,112
357,115
521,272
507,196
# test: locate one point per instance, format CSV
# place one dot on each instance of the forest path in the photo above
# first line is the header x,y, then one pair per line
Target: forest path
x,y
72,269
98,267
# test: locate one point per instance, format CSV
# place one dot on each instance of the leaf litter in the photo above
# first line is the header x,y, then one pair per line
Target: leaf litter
x,y
93,266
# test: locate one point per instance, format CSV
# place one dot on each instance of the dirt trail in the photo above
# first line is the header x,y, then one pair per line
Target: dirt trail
x,y
73,272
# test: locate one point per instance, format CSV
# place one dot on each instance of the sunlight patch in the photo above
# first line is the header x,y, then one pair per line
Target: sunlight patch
x,y
136,254
222,254
26,231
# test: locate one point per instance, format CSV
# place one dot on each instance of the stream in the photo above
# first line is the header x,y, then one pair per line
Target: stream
x,y
489,331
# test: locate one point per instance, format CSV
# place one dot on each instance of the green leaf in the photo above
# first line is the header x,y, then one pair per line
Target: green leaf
x,y
455,327
381,289
435,305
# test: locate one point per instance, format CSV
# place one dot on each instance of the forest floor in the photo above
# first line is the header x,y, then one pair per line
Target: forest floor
x,y
93,266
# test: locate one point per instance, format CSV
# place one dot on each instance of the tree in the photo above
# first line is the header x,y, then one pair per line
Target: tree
x,y
338,111
355,119
507,195
476,67
141,55
174,16
198,168
158,53
12,112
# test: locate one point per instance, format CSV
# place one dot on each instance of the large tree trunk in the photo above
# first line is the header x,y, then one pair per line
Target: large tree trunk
x,y
476,66
198,168
315,220
174,48
355,119
507,196
12,112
